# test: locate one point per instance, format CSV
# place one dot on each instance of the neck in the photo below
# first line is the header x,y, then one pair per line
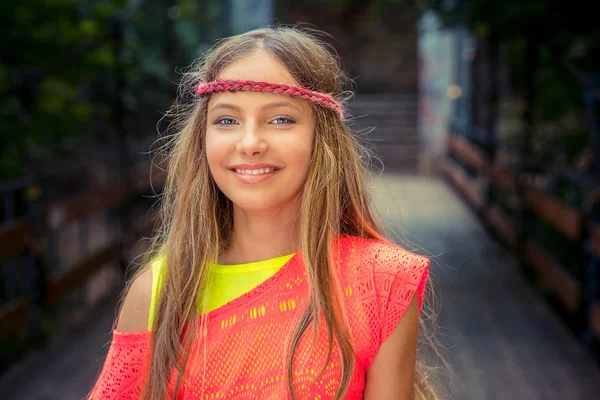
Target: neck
x,y
261,235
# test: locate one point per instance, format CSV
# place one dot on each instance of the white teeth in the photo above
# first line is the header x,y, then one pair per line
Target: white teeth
x,y
259,171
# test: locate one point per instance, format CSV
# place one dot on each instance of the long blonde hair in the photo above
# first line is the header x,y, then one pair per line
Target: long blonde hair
x,y
197,218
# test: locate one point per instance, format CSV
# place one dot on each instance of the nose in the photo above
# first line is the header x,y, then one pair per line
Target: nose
x,y
251,144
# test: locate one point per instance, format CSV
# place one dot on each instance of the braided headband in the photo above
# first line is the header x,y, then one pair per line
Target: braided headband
x,y
236,85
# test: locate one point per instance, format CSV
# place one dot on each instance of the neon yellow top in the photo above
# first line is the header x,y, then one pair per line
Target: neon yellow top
x,y
226,282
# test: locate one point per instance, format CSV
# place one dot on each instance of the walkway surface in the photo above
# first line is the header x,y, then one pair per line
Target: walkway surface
x,y
501,339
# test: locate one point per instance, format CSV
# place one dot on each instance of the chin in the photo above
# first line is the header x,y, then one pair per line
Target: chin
x,y
255,202
256,205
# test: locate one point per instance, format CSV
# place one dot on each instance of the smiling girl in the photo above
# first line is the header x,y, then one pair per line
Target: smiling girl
x,y
269,278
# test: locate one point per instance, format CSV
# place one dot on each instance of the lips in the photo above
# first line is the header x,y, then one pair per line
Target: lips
x,y
253,166
254,173
253,169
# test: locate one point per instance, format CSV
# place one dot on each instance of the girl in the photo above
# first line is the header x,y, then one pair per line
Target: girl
x,y
270,278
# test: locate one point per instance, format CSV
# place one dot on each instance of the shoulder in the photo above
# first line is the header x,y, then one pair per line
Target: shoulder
x,y
380,280
136,306
387,275
390,261
381,257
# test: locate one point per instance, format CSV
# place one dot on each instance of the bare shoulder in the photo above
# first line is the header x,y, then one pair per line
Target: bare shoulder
x,y
136,307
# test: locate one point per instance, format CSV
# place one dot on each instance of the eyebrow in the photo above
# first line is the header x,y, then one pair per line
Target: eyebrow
x,y
269,106
280,104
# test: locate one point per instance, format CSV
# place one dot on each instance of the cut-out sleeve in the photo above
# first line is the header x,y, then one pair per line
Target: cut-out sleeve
x,y
125,368
398,276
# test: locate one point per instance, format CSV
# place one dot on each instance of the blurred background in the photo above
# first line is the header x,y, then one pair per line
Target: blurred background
x,y
484,116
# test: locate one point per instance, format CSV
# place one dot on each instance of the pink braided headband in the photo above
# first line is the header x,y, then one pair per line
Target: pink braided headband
x,y
236,85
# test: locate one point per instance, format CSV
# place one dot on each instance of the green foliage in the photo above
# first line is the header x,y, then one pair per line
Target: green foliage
x,y
43,104
567,41
562,32
60,62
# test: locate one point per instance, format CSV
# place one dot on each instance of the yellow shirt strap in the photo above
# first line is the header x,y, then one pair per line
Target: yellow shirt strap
x,y
157,275
228,282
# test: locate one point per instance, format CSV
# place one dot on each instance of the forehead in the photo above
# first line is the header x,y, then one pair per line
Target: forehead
x,y
259,65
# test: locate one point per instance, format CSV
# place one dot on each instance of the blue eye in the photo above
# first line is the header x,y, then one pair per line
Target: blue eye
x,y
283,120
226,121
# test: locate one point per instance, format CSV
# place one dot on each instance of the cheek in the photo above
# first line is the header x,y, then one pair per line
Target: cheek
x,y
216,158
303,160
215,152
301,153
297,154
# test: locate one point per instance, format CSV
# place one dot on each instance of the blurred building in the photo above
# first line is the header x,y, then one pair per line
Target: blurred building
x,y
445,56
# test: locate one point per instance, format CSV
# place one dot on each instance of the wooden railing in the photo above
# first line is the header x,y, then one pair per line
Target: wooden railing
x,y
16,240
568,221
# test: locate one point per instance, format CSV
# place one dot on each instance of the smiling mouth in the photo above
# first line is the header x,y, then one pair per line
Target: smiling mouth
x,y
256,171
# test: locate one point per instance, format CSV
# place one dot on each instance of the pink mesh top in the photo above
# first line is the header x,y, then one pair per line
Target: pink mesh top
x,y
246,339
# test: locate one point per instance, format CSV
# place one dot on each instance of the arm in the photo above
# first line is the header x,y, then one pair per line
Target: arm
x,y
391,376
125,368
136,307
